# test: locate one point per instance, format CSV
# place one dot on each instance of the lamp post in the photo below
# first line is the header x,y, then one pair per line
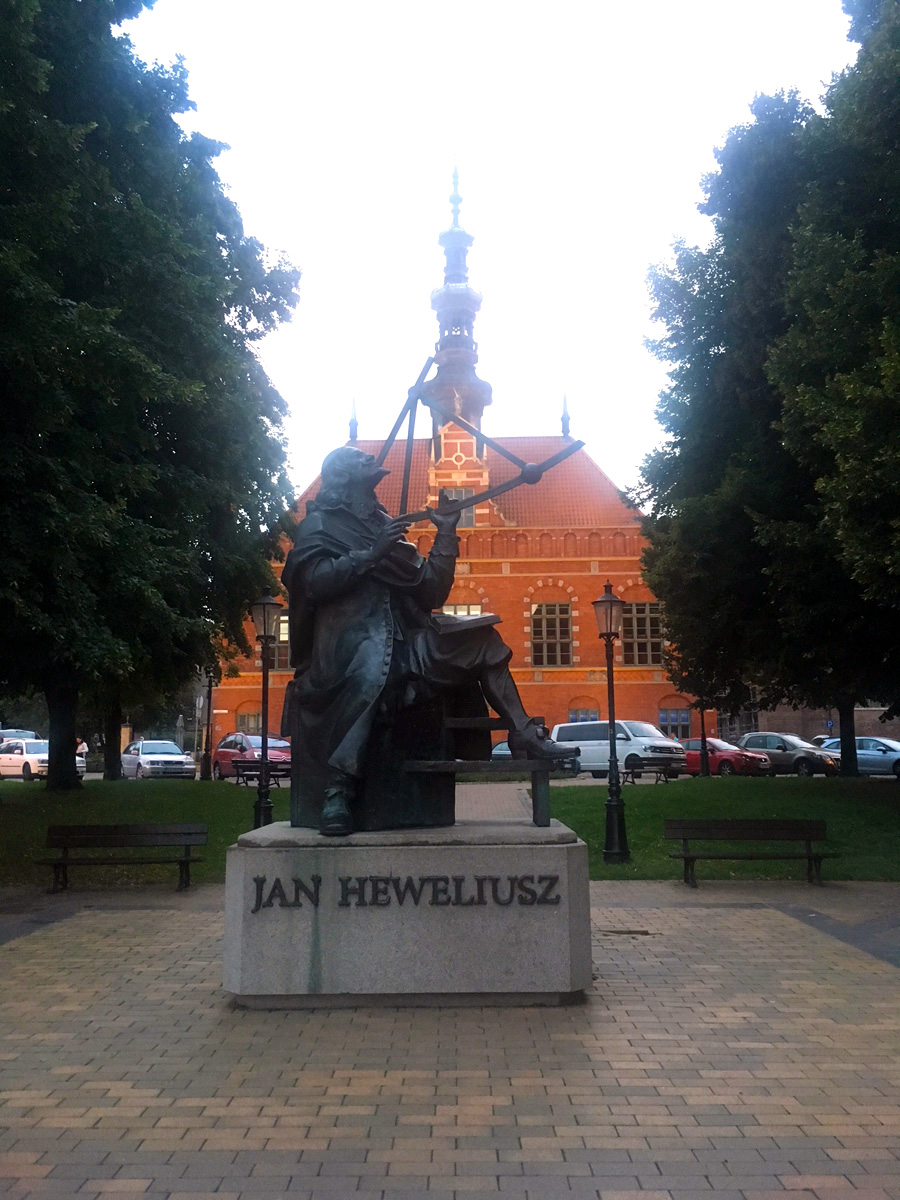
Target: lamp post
x,y
265,613
608,611
206,759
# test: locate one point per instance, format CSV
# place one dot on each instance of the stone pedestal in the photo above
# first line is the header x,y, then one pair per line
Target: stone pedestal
x,y
481,912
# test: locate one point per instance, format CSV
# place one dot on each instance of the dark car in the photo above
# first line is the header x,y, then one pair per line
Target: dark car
x,y
725,759
246,745
791,755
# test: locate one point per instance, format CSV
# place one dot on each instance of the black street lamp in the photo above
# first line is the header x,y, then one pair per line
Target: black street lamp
x,y
609,610
265,613
206,757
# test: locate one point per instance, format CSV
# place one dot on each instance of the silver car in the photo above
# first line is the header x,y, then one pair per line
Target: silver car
x,y
155,760
791,755
874,756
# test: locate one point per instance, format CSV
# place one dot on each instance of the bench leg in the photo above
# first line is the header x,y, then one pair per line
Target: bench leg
x,y
689,876
184,875
540,798
60,877
817,871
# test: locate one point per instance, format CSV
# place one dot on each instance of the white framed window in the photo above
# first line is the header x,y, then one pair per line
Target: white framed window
x,y
642,635
467,516
281,650
583,714
675,722
551,635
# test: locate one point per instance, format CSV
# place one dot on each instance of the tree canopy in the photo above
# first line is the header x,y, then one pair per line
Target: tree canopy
x,y
751,529
143,454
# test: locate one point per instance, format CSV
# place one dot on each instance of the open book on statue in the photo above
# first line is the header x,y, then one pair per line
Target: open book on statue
x,y
450,623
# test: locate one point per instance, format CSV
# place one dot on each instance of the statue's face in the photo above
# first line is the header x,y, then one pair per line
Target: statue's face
x,y
352,468
367,472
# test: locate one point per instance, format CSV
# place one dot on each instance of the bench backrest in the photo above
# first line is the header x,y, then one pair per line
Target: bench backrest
x,y
97,836
724,830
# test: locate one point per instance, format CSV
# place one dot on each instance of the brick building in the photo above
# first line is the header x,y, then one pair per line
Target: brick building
x,y
536,556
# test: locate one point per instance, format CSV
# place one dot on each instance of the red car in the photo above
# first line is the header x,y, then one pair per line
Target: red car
x,y
246,745
725,759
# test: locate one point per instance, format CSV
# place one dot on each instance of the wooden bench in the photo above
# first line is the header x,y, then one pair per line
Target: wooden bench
x,y
540,769
661,774
807,832
120,837
246,769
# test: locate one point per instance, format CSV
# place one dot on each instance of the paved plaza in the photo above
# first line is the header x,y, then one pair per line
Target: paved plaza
x,y
739,1041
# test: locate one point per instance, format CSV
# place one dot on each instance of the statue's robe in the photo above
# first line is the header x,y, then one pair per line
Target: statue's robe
x,y
364,639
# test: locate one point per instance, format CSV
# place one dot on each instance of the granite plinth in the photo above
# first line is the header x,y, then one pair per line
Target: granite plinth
x,y
481,912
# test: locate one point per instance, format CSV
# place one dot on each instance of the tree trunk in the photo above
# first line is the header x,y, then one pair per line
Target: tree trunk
x,y
847,717
62,705
112,737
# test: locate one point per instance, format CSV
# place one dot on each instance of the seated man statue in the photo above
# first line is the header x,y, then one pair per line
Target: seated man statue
x,y
362,625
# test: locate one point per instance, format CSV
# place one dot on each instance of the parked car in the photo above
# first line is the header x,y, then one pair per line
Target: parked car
x,y
501,750
791,755
246,745
874,756
148,760
7,735
639,746
27,759
725,758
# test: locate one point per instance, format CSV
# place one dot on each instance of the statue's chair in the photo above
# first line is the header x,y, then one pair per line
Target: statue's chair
x,y
413,763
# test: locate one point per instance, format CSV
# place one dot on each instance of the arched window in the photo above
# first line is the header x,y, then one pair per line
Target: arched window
x,y
551,635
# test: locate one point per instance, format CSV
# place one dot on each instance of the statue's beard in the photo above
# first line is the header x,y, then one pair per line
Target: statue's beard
x,y
361,498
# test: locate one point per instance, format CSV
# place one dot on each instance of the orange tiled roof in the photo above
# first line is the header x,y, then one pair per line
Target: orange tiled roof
x,y
574,493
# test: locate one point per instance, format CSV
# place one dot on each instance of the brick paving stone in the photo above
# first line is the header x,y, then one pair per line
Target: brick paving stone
x,y
734,1051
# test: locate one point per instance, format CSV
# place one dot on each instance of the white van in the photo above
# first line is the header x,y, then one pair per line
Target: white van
x,y
639,745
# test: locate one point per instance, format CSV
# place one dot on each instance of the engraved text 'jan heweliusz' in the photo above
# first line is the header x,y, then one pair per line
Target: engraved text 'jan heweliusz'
x,y
381,891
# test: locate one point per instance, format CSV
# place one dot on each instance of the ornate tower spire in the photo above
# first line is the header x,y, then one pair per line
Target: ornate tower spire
x,y
354,424
456,388
565,418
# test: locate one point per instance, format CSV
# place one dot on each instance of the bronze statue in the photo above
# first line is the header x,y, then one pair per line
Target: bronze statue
x,y
366,644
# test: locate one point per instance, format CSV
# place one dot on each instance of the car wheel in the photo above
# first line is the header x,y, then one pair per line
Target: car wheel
x,y
139,772
726,768
897,769
217,772
804,768
27,773
598,774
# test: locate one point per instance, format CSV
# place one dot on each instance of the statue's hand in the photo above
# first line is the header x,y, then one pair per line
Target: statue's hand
x,y
390,535
444,522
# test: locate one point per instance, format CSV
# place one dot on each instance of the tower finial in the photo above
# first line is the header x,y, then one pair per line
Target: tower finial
x,y
354,427
565,417
455,199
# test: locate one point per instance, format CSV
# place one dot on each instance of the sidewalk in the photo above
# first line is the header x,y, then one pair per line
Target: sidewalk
x,y
735,1045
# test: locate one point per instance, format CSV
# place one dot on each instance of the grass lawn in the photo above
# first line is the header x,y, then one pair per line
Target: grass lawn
x,y
27,809
862,818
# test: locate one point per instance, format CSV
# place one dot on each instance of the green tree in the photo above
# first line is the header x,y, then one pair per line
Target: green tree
x,y
838,364
755,594
143,456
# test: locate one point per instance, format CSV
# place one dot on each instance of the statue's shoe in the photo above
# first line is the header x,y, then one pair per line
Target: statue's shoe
x,y
335,820
534,741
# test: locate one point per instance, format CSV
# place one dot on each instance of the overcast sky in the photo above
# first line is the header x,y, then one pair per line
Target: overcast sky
x,y
581,131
